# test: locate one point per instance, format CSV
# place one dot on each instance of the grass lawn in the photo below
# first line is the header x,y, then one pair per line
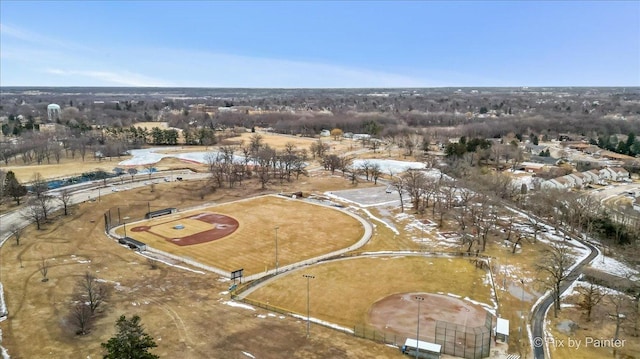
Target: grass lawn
x,y
343,292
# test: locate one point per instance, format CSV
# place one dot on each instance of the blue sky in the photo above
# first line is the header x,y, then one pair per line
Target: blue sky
x,y
319,44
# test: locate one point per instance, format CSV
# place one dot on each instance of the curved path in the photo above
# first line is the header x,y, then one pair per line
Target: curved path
x,y
539,312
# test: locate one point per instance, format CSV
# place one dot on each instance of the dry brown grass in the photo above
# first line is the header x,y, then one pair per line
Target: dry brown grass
x,y
305,231
66,168
343,291
182,310
602,327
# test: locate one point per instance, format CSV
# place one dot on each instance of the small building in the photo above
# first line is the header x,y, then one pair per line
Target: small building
x,y
419,349
502,330
325,133
133,244
532,167
161,212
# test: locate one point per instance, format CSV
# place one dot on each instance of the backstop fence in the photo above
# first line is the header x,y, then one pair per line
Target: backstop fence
x,y
132,212
462,341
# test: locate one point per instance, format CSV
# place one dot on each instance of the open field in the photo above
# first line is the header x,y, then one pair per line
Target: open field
x,y
304,231
184,311
187,311
67,167
344,291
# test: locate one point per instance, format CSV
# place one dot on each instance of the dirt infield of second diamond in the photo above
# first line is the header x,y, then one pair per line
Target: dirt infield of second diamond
x,y
304,230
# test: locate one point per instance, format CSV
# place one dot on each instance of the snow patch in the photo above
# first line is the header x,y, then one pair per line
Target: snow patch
x,y
391,227
3,305
390,165
322,322
248,354
614,267
238,305
173,265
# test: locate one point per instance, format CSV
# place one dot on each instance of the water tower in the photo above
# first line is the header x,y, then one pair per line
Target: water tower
x,y
53,111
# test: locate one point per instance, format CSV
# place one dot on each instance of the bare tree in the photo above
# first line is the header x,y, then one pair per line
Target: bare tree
x,y
43,267
255,143
410,142
319,149
16,230
365,167
132,172
375,172
591,296
555,264
33,212
45,205
331,163
149,167
619,302
65,199
91,291
38,184
399,185
81,318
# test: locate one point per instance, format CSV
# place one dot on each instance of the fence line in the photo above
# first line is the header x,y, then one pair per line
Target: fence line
x,y
359,330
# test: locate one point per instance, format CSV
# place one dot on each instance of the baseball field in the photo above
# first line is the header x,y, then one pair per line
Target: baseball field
x,y
244,234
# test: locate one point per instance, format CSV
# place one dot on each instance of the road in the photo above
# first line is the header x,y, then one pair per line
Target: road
x,y
91,191
539,313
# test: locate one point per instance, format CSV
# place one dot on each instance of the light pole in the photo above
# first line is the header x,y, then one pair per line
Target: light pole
x,y
422,234
277,249
420,300
308,317
522,322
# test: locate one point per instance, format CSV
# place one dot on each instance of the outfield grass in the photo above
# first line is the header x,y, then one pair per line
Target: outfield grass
x,y
343,292
304,231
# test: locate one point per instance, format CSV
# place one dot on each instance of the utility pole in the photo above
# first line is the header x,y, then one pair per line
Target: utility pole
x,y
308,316
277,249
420,300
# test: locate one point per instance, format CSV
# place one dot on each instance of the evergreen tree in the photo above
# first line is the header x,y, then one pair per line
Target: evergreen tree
x,y
130,342
13,188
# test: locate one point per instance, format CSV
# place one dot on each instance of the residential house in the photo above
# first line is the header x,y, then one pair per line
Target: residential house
x,y
619,174
594,175
577,179
532,167
556,183
534,149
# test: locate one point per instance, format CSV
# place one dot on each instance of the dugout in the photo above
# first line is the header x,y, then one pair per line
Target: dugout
x,y
133,244
420,349
160,212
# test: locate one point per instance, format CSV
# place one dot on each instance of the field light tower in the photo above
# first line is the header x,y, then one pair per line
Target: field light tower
x,y
308,316
277,249
420,300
